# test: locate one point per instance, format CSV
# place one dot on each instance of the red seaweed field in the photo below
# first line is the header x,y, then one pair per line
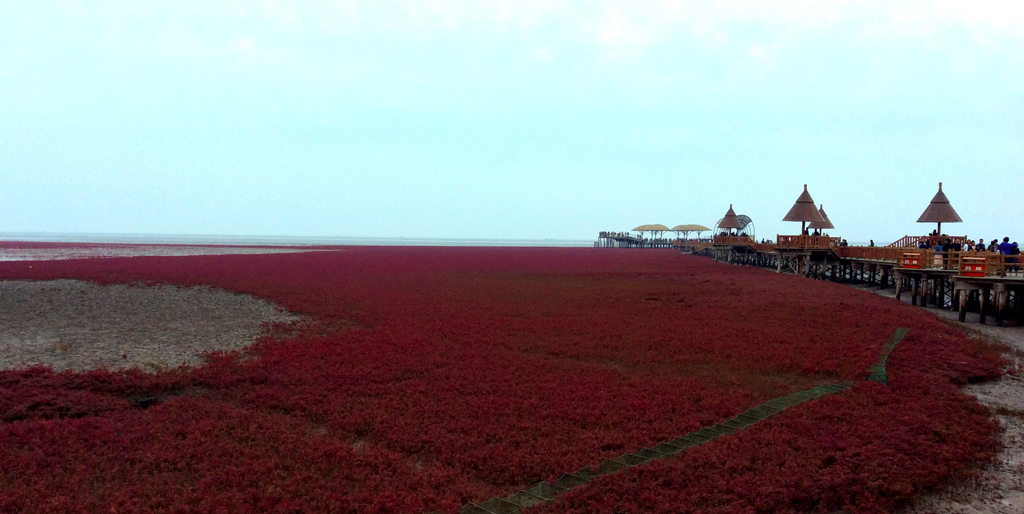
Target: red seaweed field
x,y
426,378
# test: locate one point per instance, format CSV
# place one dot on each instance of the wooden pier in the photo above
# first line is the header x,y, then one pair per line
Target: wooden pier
x,y
984,282
626,240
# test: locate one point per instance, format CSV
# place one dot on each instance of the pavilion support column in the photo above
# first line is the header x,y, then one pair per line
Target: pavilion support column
x,y
916,289
885,277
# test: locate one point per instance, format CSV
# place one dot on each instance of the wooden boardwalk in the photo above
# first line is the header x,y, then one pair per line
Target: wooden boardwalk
x,y
984,282
625,240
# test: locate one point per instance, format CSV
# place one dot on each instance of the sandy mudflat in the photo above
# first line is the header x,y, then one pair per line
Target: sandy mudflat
x,y
74,325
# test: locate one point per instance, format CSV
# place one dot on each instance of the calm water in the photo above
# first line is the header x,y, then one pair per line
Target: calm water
x,y
180,239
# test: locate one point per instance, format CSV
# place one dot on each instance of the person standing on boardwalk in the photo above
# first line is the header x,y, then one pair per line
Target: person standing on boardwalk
x,y
1005,246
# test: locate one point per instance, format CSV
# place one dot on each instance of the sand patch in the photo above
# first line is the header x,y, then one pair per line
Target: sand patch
x,y
75,325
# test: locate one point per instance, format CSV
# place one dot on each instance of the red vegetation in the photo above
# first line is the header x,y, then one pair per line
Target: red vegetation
x,y
435,376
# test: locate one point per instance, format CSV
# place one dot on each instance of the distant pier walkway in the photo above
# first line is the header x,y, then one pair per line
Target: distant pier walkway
x,y
626,240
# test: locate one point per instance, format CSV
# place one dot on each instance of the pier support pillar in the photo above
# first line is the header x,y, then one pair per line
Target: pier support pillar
x,y
984,305
964,295
1002,298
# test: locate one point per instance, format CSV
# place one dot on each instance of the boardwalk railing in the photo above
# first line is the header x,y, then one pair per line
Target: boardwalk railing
x,y
965,264
998,265
811,242
874,253
915,241
734,241
981,264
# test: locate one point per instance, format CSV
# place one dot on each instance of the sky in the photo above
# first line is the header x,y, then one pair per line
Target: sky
x,y
514,119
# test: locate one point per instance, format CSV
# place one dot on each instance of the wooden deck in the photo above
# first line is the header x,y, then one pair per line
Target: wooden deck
x,y
985,282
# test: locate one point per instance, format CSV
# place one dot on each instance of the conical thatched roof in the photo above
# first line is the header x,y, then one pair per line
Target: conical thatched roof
x,y
939,211
822,225
730,220
804,209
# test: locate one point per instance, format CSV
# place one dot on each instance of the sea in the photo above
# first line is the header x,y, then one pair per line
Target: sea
x,y
236,240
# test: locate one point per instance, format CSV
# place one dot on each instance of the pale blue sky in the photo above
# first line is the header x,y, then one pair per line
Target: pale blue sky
x,y
517,119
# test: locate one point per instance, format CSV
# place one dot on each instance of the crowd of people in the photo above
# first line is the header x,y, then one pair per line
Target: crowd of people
x,y
948,244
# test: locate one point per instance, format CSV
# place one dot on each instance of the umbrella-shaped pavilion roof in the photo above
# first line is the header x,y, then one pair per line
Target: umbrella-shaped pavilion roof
x,y
804,209
690,228
939,210
824,224
730,220
657,227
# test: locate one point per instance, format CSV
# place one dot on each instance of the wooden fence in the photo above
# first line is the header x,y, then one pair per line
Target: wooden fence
x,y
811,242
933,241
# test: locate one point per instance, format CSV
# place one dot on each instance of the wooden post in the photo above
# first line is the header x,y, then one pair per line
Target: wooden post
x,y
984,305
916,289
964,295
1001,298
1020,308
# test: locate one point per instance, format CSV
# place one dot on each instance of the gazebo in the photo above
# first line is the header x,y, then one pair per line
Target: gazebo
x,y
939,211
730,221
657,227
803,211
825,224
686,229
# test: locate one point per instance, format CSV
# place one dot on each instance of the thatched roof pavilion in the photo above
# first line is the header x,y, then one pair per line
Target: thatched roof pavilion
x,y
686,229
730,221
823,225
803,211
939,211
